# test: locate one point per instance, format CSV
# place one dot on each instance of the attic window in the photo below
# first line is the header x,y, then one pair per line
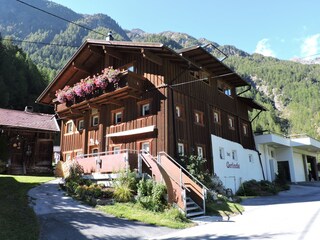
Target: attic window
x,y
224,88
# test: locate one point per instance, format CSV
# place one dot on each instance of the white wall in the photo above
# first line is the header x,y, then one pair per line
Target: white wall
x,y
299,167
233,172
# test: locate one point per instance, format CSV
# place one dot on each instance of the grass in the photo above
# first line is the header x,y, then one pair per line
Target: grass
x,y
17,219
133,211
223,207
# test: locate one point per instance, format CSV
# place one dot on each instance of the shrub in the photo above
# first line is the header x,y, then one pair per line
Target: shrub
x,y
176,215
151,195
123,193
127,178
196,166
257,188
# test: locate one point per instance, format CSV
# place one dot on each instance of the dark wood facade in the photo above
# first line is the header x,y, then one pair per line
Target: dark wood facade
x,y
161,97
26,140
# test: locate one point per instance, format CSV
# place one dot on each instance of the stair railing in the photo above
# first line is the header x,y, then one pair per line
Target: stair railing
x,y
186,172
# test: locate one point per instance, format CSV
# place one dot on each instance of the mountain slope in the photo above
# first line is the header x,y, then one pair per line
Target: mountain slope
x,y
289,90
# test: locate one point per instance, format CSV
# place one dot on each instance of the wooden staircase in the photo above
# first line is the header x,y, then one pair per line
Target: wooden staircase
x,y
193,209
183,189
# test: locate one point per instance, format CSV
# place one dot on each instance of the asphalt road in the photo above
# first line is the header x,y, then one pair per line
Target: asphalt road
x,y
62,218
292,215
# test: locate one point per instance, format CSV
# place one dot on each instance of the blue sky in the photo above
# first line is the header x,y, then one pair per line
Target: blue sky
x,y
284,29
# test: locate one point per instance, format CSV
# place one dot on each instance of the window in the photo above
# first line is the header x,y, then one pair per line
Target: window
x,y
145,109
234,155
131,68
221,153
231,122
198,117
250,158
94,121
245,129
216,117
94,151
178,111
200,151
224,88
118,117
79,153
69,127
145,146
80,125
116,150
68,156
181,149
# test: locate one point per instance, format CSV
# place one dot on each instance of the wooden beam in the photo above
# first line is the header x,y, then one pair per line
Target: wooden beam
x,y
80,68
151,57
112,53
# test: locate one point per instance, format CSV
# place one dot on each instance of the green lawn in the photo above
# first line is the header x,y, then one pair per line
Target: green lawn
x,y
132,211
17,219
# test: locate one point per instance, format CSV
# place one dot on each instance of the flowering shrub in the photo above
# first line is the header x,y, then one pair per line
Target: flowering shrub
x,y
88,85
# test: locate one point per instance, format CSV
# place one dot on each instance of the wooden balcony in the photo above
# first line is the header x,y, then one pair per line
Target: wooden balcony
x,y
131,85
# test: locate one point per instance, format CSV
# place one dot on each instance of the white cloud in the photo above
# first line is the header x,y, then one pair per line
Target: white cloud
x,y
310,46
263,47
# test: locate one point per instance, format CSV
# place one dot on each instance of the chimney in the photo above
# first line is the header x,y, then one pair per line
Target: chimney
x,y
28,109
110,37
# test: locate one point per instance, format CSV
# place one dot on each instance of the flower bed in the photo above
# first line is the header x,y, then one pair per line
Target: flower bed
x,y
89,87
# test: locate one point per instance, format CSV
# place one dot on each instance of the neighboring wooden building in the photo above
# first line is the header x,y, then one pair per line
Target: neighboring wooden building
x,y
28,137
165,101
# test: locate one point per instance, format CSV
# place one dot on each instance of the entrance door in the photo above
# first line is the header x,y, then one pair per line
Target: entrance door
x,y
312,168
284,170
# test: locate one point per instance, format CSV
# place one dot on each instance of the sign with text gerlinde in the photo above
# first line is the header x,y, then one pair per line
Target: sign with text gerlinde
x,y
232,165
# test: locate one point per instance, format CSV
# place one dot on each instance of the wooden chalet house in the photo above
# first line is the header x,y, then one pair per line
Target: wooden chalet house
x,y
26,140
164,102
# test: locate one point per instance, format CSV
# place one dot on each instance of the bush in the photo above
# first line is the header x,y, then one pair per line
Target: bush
x,y
176,215
257,188
122,193
127,178
151,195
196,166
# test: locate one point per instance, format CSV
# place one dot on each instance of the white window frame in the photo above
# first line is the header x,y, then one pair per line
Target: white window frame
x,y
145,109
95,121
116,149
181,149
178,111
216,117
231,122
69,127
197,117
143,146
116,121
68,156
80,125
200,151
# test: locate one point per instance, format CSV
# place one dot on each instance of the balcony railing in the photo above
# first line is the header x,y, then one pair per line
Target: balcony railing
x,y
130,85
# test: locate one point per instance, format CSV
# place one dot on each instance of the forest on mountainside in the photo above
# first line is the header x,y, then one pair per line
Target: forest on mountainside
x,y
289,90
20,80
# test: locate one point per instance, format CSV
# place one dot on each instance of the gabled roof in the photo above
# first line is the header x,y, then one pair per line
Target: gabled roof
x,y
30,120
210,63
91,53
